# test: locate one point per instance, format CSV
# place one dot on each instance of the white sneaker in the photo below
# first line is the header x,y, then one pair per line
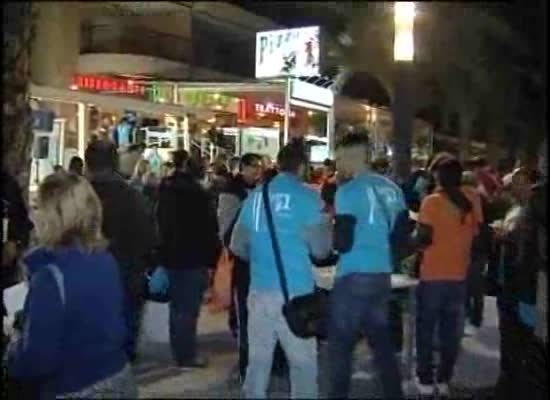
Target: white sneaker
x,y
424,390
443,389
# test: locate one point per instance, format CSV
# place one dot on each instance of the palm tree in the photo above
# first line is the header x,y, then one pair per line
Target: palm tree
x,y
452,61
16,116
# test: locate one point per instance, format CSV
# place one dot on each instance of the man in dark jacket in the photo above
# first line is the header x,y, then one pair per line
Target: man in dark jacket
x,y
530,283
229,204
189,247
127,225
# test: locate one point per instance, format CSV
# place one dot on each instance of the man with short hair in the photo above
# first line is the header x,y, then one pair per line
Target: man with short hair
x,y
302,231
229,205
189,246
369,208
126,224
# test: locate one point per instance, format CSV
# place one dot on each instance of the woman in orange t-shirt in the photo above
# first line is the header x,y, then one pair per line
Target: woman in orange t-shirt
x,y
453,213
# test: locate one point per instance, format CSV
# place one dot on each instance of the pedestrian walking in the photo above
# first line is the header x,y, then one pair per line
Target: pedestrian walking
x,y
229,205
507,234
369,207
453,213
531,282
76,166
301,230
127,225
480,254
72,342
189,247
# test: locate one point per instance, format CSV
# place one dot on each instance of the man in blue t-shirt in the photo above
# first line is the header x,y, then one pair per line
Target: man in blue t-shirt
x,y
367,209
303,231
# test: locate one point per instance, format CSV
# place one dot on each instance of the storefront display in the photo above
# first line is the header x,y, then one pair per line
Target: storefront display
x,y
262,141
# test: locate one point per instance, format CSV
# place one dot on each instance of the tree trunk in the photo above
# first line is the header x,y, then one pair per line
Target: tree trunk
x,y
16,116
403,120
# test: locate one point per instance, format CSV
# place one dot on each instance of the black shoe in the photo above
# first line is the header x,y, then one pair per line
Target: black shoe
x,y
197,363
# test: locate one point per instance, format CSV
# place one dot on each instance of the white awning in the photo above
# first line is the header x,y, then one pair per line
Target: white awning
x,y
117,102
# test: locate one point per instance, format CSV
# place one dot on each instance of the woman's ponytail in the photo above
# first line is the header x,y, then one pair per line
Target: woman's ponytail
x,y
449,173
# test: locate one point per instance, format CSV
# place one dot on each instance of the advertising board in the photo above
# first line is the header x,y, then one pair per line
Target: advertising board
x,y
287,52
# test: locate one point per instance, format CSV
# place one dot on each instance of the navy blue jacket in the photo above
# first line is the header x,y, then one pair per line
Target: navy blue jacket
x,y
74,334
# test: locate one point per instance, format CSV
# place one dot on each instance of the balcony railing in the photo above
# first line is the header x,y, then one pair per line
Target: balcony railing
x,y
102,38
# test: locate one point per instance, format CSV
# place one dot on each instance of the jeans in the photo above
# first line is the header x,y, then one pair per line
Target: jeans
x,y
359,303
238,321
439,303
266,326
475,290
187,287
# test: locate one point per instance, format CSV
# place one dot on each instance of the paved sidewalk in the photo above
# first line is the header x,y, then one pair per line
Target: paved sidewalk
x,y
476,372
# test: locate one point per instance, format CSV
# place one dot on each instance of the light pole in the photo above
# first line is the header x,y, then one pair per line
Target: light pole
x,y
402,105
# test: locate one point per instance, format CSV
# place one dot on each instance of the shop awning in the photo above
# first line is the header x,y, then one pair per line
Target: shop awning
x,y
238,87
120,102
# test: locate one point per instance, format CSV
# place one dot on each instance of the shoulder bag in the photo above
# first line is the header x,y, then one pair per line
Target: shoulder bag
x,y
304,314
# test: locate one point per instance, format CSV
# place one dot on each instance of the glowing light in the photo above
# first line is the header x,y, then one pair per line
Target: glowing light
x,y
403,45
73,87
310,113
211,120
130,82
216,96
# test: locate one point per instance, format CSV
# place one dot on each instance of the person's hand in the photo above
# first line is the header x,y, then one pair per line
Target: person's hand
x,y
9,253
499,232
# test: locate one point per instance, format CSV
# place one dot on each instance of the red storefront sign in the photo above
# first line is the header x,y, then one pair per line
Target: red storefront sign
x,y
107,84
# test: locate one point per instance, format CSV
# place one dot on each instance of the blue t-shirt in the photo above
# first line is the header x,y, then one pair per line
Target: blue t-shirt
x,y
295,207
375,202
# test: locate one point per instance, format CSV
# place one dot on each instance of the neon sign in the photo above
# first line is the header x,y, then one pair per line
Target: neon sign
x,y
106,84
270,108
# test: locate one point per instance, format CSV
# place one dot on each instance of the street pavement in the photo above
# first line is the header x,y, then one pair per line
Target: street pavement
x,y
476,372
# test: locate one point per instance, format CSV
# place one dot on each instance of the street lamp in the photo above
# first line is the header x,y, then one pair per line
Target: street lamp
x,y
403,45
402,106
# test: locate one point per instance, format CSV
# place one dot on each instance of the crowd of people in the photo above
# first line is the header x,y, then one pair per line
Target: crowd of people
x,y
110,219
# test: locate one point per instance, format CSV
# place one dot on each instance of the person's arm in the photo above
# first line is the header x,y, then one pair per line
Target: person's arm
x,y
240,238
228,207
423,235
345,222
38,351
318,234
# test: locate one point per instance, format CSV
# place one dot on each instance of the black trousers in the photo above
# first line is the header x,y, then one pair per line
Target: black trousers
x,y
475,284
238,320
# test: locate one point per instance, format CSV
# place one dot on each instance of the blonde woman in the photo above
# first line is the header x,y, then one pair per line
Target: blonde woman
x,y
74,329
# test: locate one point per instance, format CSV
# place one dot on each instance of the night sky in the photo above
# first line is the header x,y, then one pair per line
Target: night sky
x,y
527,17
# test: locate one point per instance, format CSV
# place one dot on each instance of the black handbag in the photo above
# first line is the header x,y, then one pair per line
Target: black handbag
x,y
399,248
304,314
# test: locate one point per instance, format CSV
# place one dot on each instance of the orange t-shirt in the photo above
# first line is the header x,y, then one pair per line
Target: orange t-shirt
x,y
448,257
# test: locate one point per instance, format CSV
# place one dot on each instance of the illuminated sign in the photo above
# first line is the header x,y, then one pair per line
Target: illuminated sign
x,y
287,52
309,92
270,108
107,84
198,98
